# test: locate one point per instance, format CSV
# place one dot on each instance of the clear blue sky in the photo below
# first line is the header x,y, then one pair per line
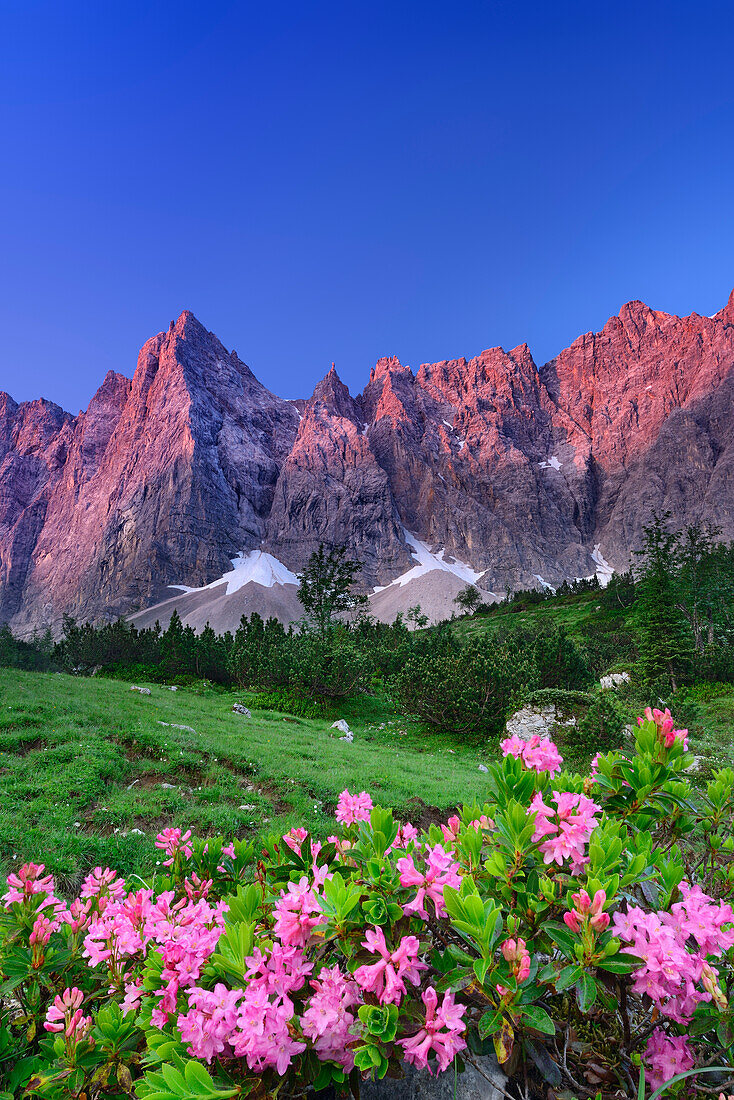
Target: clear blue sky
x,y
339,181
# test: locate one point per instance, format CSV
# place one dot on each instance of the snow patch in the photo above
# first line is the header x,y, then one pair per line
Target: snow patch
x,y
553,463
428,561
544,583
604,571
251,565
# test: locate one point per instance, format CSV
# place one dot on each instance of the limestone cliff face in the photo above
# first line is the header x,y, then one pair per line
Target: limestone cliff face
x,y
332,489
515,470
162,480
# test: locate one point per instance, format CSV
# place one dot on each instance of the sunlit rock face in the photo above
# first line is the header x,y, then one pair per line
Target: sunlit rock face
x,y
490,470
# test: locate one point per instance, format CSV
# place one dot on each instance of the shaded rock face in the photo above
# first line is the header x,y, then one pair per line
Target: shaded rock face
x,y
514,470
164,477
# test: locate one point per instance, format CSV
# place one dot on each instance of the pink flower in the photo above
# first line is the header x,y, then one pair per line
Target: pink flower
x,y
442,1032
667,734
516,953
537,753
674,948
102,885
295,838
28,882
353,807
210,1022
293,914
65,1015
440,870
665,1056
173,842
567,828
385,977
327,1020
587,909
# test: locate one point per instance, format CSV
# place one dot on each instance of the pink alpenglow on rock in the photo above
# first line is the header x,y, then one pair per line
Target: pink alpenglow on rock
x,y
537,753
353,807
442,1032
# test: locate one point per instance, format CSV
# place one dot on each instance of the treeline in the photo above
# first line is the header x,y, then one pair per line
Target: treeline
x,y
670,620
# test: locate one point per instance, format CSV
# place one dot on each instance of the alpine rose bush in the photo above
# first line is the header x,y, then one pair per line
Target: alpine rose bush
x,y
580,927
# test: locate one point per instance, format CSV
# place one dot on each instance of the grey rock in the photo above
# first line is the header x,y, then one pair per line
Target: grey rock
x,y
140,690
239,708
487,1083
340,724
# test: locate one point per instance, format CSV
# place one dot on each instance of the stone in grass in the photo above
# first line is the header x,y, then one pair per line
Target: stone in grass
x,y
488,1082
176,726
143,691
341,725
483,768
240,708
613,680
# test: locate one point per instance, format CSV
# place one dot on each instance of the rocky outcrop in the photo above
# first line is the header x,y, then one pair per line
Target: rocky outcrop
x,y
527,476
161,479
332,489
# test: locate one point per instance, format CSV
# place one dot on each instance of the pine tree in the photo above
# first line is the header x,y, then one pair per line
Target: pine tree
x,y
664,638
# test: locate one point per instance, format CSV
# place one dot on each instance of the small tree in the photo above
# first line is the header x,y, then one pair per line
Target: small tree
x,y
469,599
664,640
326,585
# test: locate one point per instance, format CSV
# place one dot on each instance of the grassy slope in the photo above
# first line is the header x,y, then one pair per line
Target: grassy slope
x,y
574,612
71,748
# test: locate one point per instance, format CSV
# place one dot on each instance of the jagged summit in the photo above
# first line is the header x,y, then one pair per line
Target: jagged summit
x,y
516,471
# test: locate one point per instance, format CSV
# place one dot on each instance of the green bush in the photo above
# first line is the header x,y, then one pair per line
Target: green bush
x,y
466,690
601,728
286,703
560,661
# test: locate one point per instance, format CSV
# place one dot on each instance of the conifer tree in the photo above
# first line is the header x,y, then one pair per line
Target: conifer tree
x,y
664,638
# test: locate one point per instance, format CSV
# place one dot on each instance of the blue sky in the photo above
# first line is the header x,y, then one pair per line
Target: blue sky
x,y
339,181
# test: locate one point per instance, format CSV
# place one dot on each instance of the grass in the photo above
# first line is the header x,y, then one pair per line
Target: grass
x,y
575,612
90,772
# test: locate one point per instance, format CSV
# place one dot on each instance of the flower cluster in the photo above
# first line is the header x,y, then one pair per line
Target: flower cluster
x,y
665,1056
438,870
442,1032
667,732
538,753
587,910
385,978
564,830
353,807
674,947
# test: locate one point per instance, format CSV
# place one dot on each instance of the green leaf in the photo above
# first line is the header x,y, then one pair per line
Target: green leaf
x,y
539,1019
620,964
561,936
586,992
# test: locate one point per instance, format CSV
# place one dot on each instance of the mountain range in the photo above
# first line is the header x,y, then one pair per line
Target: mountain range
x,y
193,486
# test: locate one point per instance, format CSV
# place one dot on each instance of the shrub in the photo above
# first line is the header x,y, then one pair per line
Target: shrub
x,y
562,905
560,661
469,689
601,728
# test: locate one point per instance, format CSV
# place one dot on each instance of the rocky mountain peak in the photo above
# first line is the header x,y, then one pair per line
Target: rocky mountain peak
x,y
516,471
332,396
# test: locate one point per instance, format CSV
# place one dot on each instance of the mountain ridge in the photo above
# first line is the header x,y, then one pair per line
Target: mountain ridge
x,y
516,470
